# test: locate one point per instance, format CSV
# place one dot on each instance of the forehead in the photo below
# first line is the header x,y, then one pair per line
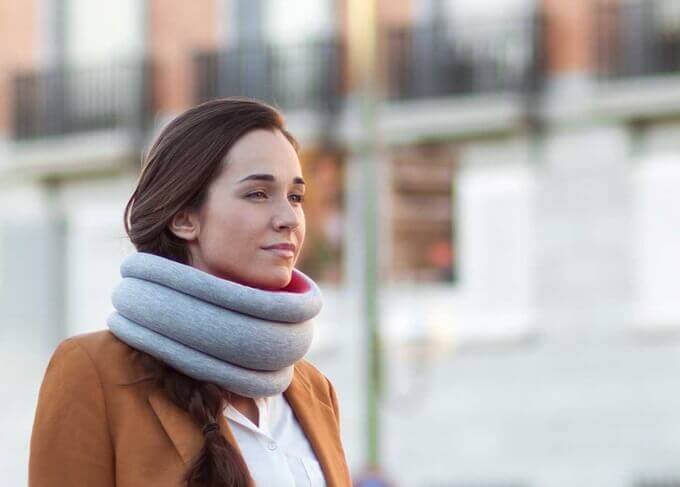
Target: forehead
x,y
262,151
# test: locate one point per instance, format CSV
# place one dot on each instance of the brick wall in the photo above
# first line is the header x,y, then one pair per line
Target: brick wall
x,y
176,29
569,42
18,49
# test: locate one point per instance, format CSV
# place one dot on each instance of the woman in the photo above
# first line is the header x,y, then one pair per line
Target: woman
x,y
199,380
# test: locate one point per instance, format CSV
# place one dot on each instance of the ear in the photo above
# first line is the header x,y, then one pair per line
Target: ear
x,y
185,224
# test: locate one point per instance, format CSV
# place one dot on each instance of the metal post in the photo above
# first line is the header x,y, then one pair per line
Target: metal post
x,y
362,33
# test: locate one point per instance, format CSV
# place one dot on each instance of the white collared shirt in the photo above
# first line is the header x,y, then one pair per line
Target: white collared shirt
x,y
277,451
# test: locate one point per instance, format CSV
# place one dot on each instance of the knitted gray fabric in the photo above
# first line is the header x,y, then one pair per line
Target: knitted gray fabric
x,y
241,338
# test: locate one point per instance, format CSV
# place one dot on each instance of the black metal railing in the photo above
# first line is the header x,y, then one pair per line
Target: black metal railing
x,y
442,59
639,38
307,76
71,100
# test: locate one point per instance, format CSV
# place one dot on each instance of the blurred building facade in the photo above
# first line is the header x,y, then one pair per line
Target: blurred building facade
x,y
530,242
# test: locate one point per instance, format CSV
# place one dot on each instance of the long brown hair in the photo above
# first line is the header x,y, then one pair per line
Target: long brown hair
x,y
184,159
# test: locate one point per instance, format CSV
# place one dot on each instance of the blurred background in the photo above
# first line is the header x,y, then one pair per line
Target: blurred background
x,y
526,193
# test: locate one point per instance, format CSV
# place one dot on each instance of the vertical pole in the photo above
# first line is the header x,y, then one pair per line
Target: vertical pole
x,y
362,33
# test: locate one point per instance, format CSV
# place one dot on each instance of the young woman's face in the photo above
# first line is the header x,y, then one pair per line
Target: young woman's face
x,y
255,203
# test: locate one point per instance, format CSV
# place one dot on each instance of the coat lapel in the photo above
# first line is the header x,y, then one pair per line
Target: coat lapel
x,y
319,424
185,435
315,417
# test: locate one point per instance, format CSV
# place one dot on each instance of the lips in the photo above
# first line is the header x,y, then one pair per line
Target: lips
x,y
285,253
285,250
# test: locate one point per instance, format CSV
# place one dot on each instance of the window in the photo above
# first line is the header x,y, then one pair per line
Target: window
x,y
422,214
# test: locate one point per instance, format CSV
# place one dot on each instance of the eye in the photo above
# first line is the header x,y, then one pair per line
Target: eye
x,y
300,198
257,193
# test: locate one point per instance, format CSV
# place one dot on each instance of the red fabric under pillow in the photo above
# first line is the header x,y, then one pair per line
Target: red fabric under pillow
x,y
297,284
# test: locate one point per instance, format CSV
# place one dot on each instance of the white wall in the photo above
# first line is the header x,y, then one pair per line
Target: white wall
x,y
471,10
584,223
95,245
29,323
656,241
101,30
656,234
496,249
294,23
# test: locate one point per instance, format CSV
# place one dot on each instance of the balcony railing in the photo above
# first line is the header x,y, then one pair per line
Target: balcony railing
x,y
66,101
442,60
305,76
640,38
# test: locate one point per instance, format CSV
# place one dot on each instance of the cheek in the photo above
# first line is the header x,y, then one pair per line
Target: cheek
x,y
235,229
302,229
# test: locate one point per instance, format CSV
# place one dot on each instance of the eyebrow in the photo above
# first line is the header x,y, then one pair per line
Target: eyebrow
x,y
269,177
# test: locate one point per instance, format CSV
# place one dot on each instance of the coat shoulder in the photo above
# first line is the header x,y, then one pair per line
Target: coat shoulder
x,y
115,361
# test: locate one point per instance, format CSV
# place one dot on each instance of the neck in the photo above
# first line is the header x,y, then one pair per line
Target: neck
x,y
245,406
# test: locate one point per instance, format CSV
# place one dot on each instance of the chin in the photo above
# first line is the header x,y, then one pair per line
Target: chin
x,y
274,279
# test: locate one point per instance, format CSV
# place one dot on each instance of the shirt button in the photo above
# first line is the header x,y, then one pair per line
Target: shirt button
x,y
272,445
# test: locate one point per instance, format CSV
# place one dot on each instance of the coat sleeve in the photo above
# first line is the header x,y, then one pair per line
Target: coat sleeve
x,y
71,443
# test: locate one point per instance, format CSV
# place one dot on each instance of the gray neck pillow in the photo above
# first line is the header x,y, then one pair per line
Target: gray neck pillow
x,y
243,339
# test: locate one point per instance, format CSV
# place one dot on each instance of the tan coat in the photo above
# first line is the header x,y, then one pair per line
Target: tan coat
x,y
101,422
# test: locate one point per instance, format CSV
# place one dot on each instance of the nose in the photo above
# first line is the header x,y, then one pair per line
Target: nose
x,y
286,217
